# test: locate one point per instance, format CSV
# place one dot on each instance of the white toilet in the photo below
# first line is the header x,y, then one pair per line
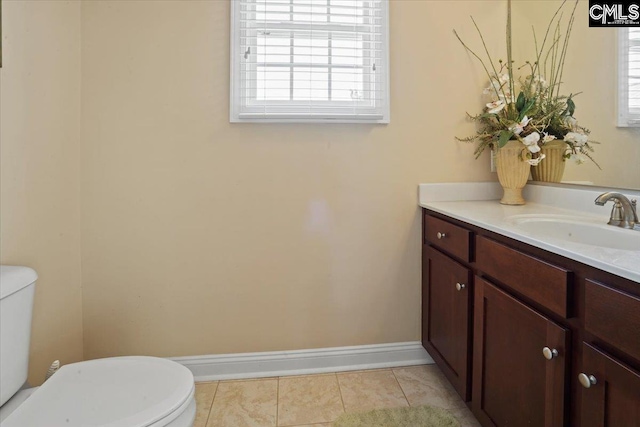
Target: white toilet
x,y
132,391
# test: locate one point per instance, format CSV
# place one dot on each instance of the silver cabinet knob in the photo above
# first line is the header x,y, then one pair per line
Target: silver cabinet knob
x,y
587,381
460,286
441,235
549,353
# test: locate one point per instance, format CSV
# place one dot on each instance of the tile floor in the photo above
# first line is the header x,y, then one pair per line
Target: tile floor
x,y
317,400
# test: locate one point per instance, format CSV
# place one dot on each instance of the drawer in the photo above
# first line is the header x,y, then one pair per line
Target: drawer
x,y
533,278
613,316
448,237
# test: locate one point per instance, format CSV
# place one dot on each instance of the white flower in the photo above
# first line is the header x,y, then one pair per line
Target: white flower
x,y
495,106
541,82
538,80
571,122
534,162
532,138
493,88
535,148
576,139
578,158
499,79
517,128
548,138
531,142
499,86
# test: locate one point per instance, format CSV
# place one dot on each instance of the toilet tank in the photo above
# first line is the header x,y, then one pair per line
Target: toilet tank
x,y
17,286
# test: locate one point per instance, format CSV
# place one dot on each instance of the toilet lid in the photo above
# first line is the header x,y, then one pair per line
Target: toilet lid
x,y
112,392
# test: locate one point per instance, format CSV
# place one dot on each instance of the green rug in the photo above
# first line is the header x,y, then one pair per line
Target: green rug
x,y
419,416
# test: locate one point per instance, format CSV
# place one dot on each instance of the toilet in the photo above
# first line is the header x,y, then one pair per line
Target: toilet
x,y
134,391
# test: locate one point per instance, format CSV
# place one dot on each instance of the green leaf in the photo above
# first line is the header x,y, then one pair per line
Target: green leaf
x,y
505,136
530,103
571,106
520,102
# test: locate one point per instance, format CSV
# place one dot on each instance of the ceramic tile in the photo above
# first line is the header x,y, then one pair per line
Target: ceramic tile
x,y
465,417
205,393
363,391
426,385
308,400
245,404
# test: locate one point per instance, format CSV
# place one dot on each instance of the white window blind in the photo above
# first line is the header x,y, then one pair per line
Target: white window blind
x,y
309,61
629,77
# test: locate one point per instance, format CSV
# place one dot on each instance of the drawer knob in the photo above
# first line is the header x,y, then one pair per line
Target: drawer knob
x,y
549,353
460,286
441,235
587,381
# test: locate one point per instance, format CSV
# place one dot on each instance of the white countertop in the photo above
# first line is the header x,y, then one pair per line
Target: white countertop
x,y
477,204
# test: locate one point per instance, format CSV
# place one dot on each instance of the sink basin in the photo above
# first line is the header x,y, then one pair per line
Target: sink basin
x,y
586,231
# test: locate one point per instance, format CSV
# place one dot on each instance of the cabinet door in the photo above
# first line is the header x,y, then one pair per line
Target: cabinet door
x,y
445,317
519,362
610,391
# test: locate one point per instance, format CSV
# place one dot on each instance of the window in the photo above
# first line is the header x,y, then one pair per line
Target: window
x,y
309,61
629,77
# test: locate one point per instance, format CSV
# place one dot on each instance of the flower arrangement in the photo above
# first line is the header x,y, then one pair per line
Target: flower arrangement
x,y
539,113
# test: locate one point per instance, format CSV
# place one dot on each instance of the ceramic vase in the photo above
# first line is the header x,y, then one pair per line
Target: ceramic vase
x,y
551,168
513,172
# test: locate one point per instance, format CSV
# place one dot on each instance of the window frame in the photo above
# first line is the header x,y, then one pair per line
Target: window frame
x,y
625,117
379,116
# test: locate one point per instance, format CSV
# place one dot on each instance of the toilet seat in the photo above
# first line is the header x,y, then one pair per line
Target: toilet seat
x,y
133,391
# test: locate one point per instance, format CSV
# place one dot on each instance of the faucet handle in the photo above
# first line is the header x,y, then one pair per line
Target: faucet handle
x,y
617,214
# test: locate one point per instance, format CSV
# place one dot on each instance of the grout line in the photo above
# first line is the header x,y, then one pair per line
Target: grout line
x,y
344,408
211,407
277,401
401,389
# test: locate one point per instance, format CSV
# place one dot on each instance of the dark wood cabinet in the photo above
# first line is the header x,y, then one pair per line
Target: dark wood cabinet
x,y
448,238
514,384
531,277
446,322
527,329
613,316
610,391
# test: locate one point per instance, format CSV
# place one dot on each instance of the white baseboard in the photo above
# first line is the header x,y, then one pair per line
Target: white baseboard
x,y
303,362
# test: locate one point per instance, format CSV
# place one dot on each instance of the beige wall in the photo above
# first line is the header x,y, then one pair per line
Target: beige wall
x,y
204,237
591,68
39,181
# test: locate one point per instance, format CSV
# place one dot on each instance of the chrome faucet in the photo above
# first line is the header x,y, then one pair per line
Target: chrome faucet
x,y
623,213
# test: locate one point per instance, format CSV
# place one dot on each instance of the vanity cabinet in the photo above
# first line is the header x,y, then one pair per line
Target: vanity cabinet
x,y
448,237
528,337
613,316
519,362
610,388
610,391
446,324
542,282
